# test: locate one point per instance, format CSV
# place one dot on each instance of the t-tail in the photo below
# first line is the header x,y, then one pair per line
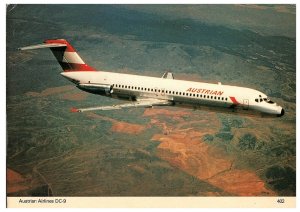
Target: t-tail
x,y
64,53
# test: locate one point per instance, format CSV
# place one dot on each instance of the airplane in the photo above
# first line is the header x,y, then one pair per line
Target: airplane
x,y
146,91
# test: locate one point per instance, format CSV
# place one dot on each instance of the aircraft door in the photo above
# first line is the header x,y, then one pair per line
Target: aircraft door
x,y
245,104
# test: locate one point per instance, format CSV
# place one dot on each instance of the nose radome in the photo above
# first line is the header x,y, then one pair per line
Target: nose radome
x,y
281,113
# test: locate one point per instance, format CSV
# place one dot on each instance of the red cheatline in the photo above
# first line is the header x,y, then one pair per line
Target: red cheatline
x,y
234,100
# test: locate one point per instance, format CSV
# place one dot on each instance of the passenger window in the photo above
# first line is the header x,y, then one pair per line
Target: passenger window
x,y
226,99
197,95
194,95
256,100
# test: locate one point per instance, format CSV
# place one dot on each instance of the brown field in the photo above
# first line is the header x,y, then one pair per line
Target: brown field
x,y
182,145
241,182
165,112
120,126
128,128
187,151
75,96
15,181
190,154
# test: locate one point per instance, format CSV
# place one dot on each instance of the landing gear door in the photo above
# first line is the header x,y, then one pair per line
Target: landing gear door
x,y
245,104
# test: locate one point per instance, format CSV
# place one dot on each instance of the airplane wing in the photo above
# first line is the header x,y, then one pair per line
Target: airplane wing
x,y
134,104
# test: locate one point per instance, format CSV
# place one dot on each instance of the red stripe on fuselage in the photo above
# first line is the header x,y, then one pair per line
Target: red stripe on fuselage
x,y
233,99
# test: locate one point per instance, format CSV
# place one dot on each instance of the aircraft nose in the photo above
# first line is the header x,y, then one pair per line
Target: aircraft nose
x,y
281,113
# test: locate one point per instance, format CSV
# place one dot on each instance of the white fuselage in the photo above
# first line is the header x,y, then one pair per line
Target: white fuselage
x,y
179,92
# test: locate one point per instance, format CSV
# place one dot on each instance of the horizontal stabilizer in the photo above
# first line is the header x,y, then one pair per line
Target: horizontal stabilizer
x,y
44,45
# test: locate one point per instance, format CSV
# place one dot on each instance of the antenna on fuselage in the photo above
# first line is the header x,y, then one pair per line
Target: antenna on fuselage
x,y
168,75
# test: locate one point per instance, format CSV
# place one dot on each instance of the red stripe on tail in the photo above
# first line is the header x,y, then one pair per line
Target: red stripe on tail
x,y
67,56
67,67
62,41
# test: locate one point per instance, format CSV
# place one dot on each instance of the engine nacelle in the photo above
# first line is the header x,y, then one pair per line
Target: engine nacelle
x,y
100,89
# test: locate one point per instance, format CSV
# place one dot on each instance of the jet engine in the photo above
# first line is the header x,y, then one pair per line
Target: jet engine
x,y
101,89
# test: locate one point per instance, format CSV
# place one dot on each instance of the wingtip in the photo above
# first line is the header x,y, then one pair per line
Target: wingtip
x,y
74,110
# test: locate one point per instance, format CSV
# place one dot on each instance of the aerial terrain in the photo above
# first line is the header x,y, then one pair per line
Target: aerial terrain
x,y
160,151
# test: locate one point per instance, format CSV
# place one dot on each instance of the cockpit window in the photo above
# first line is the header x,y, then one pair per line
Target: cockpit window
x,y
260,99
268,101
